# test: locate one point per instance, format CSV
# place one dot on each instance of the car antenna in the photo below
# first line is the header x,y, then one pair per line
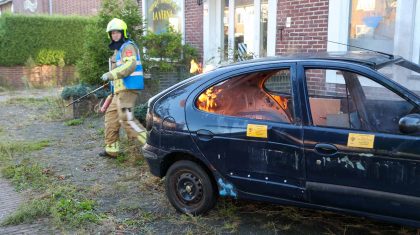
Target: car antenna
x,y
379,52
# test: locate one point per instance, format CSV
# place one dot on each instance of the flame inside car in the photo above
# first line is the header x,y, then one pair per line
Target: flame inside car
x,y
247,96
207,100
282,101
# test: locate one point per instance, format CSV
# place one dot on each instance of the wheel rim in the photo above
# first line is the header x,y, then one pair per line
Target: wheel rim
x,y
189,188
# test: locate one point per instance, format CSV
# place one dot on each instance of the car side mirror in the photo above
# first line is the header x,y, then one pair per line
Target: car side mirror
x,y
410,124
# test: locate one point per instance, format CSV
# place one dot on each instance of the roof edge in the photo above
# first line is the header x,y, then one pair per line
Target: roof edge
x,y
3,2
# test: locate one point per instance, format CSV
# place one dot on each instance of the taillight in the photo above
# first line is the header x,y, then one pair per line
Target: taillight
x,y
149,119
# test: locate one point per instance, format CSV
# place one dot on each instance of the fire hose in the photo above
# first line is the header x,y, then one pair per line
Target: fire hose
x,y
106,103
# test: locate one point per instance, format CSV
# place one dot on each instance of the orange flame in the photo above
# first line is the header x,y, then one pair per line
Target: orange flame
x,y
282,101
195,67
207,100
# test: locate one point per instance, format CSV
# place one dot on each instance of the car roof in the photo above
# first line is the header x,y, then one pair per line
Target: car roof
x,y
374,60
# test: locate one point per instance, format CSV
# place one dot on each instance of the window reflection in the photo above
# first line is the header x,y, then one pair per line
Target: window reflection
x,y
225,22
244,28
164,13
372,24
263,28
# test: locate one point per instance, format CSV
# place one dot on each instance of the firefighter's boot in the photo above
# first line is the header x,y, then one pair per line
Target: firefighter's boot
x,y
111,150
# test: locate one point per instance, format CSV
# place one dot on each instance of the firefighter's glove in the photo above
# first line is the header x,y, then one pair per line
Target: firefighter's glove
x,y
105,77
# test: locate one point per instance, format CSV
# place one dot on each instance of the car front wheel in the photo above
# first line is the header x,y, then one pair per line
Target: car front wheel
x,y
189,188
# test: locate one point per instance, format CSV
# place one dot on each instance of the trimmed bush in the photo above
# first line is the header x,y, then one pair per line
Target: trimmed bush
x,y
50,57
166,52
51,40
76,91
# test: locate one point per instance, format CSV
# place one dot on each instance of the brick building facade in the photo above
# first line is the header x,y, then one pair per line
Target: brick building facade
x,y
267,27
80,7
224,30
58,7
277,27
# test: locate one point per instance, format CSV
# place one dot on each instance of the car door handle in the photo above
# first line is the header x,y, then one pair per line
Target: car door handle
x,y
204,135
326,149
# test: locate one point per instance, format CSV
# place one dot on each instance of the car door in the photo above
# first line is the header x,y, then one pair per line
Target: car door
x,y
246,124
356,158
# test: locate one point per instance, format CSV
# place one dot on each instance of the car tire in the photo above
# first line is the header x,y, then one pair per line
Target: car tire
x,y
189,188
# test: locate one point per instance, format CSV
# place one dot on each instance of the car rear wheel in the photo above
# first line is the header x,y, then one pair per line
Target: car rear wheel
x,y
189,188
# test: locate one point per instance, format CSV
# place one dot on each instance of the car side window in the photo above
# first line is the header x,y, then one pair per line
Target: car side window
x,y
264,95
348,100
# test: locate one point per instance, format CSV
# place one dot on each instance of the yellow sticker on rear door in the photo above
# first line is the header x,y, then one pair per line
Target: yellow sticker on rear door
x,y
259,131
361,140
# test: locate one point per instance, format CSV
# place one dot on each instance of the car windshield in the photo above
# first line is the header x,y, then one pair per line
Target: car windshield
x,y
405,73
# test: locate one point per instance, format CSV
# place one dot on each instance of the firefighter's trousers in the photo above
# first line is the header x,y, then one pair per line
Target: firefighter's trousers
x,y
121,113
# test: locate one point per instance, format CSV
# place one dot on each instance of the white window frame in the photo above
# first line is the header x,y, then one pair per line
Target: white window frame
x,y
338,22
416,41
405,28
213,28
212,31
272,27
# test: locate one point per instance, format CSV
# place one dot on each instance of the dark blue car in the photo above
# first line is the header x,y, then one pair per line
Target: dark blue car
x,y
335,131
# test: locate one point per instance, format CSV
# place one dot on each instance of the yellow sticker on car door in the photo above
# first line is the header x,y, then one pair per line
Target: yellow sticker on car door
x,y
259,131
361,140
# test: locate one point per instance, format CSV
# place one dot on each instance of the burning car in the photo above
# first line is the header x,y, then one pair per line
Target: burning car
x,y
335,131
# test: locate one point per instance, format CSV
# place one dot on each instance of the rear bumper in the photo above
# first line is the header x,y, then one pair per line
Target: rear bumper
x,y
154,157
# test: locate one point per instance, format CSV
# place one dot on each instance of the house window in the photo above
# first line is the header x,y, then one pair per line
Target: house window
x,y
236,30
248,37
251,18
244,29
372,24
263,28
389,26
162,14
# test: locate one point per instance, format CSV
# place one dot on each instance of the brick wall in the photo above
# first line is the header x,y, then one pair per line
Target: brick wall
x,y
18,77
194,25
12,76
309,28
79,7
60,7
317,84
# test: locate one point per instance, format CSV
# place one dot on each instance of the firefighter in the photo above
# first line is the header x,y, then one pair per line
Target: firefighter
x,y
126,81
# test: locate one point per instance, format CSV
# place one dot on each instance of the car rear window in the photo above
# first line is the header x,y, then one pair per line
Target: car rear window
x,y
264,95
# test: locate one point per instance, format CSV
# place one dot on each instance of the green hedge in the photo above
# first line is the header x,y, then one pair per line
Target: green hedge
x,y
45,39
